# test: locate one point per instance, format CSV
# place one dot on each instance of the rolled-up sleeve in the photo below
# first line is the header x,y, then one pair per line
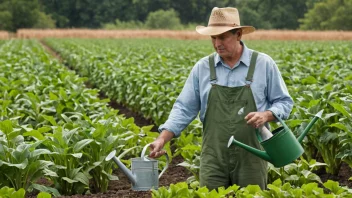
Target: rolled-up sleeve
x,y
186,106
281,102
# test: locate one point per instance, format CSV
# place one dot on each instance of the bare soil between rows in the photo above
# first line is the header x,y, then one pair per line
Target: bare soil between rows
x,y
174,174
122,187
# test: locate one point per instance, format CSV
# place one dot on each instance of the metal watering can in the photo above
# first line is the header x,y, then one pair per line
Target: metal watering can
x,y
283,147
145,172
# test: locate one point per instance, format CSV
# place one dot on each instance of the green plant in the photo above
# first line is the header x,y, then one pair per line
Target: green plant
x,y
65,146
297,173
20,162
6,192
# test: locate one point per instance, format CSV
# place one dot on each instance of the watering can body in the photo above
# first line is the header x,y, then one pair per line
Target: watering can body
x,y
283,147
144,174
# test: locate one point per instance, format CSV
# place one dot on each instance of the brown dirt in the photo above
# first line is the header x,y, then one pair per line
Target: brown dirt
x,y
122,187
344,174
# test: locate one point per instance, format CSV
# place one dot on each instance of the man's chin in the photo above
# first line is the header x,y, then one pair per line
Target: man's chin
x,y
221,52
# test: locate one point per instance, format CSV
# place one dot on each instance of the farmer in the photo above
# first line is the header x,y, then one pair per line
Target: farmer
x,y
235,90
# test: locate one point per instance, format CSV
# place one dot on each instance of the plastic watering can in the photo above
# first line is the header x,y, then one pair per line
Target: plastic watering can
x,y
283,147
145,172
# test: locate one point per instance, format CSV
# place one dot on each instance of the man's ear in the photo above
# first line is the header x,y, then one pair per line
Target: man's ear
x,y
239,35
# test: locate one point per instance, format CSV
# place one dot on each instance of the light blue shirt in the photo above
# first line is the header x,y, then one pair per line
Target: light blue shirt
x,y
268,87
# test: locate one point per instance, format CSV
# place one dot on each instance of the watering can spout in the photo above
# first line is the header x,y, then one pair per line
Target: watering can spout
x,y
310,125
258,153
124,169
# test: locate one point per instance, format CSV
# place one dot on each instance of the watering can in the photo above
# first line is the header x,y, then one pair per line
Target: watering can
x,y
145,172
283,147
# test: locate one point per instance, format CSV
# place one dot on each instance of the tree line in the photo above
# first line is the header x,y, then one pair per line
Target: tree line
x,y
173,14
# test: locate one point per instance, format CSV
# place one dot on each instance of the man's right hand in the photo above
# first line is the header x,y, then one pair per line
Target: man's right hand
x,y
156,147
159,143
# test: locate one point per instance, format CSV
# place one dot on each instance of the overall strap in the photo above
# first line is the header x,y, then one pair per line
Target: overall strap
x,y
212,67
252,66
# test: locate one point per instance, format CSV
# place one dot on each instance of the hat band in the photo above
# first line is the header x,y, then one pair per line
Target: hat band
x,y
223,24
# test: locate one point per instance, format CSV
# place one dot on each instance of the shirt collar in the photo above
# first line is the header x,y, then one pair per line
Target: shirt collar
x,y
245,57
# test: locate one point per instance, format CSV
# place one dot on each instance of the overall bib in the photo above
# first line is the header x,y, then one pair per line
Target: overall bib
x,y
224,117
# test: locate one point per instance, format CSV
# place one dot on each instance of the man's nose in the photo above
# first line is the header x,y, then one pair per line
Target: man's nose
x,y
217,42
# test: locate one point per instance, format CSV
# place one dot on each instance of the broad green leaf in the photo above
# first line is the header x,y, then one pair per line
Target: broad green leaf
x,y
339,126
67,119
34,133
46,189
6,126
340,108
22,165
252,189
19,193
52,96
38,152
110,176
77,155
292,178
334,187
309,80
71,181
50,119
44,195
82,178
49,173
81,144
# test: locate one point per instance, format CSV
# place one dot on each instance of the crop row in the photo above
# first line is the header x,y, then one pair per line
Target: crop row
x,y
147,75
53,128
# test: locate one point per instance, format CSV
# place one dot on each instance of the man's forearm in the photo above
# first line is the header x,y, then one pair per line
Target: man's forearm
x,y
270,116
165,136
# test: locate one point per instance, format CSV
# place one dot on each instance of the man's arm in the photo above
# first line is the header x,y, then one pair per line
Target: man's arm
x,y
164,137
277,96
281,103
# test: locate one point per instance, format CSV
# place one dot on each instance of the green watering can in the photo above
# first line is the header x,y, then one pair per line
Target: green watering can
x,y
283,147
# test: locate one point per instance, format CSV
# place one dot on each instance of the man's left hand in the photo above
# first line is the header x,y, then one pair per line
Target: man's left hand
x,y
257,119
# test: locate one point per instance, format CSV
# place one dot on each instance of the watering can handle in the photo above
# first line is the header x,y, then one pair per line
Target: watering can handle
x,y
281,121
166,155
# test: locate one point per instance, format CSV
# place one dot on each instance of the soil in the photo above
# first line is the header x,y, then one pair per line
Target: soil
x,y
122,187
174,174
343,176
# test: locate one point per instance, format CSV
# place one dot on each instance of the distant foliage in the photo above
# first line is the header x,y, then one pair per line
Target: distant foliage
x,y
167,14
329,15
163,19
130,25
16,14
44,21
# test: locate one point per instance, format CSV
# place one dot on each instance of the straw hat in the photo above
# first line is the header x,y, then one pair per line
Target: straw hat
x,y
222,20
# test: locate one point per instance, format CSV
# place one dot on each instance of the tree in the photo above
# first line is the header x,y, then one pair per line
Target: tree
x,y
328,15
6,20
163,19
16,14
44,21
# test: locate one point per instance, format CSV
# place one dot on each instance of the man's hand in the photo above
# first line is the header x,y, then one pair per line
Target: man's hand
x,y
159,143
257,119
156,147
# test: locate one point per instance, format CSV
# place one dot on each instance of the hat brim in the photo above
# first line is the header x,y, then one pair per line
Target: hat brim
x,y
216,30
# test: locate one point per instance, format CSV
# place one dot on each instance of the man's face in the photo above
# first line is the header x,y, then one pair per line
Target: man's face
x,y
225,44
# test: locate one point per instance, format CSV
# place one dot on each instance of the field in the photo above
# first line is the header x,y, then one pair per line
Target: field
x,y
68,102
257,35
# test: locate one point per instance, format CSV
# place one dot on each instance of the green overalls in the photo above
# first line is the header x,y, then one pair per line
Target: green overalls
x,y
224,117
